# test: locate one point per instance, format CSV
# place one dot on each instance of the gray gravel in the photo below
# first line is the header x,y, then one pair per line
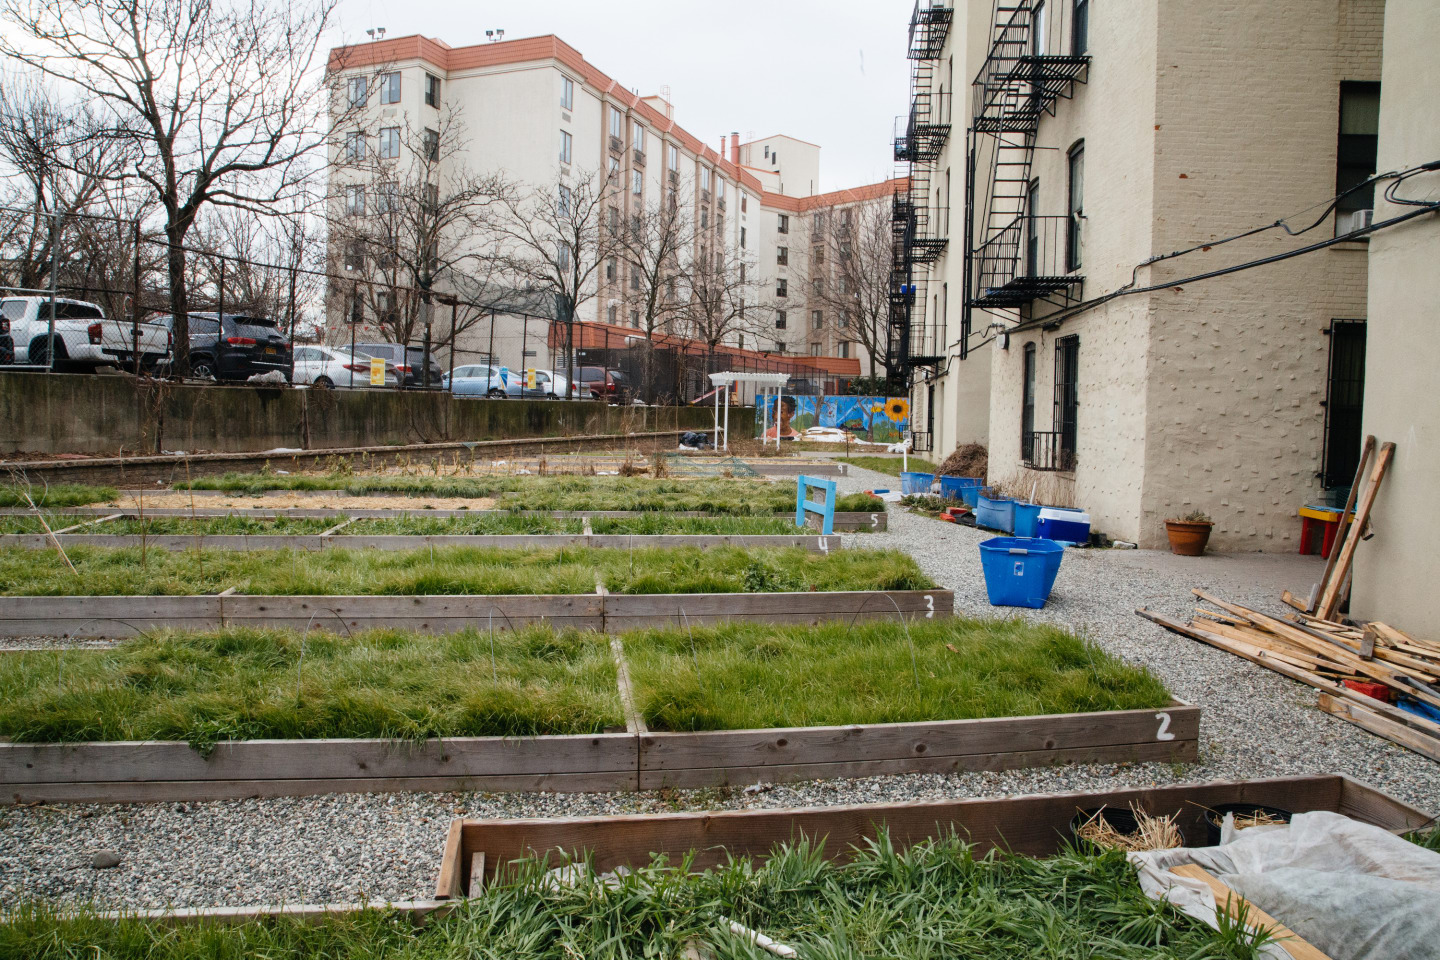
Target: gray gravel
x,y
387,847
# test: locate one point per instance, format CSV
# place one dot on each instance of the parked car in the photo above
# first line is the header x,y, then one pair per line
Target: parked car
x,y
410,361
601,383
234,347
325,367
84,339
475,380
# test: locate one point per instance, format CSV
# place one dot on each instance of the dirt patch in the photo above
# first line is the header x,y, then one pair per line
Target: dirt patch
x,y
180,499
970,460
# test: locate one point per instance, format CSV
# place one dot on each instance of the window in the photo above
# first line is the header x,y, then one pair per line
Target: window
x,y
567,93
614,223
562,256
354,147
817,222
1074,227
355,200
817,286
431,195
564,203
743,204
719,186
390,143
635,318
1067,398
704,218
617,123
634,279
637,137
355,256
566,144
767,153
432,91
1355,156
637,182
1027,406
1080,28
782,255
1037,33
611,313
844,350
844,320
390,88
356,91
782,288
742,238
815,350
431,144
387,197
1343,395
614,169
817,319
610,270
672,158
818,255
783,224
704,178
1032,229
844,250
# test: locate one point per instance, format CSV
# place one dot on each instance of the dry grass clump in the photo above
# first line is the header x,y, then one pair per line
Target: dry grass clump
x,y
1151,833
969,460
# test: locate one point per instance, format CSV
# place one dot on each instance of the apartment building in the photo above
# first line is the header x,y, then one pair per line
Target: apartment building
x,y
538,113
1089,303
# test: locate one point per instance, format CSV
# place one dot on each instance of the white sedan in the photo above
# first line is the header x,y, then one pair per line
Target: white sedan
x,y
326,367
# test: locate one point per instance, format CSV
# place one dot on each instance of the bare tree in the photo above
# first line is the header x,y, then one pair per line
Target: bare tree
x,y
262,268
850,257
651,245
555,237
410,221
220,100
715,307
60,165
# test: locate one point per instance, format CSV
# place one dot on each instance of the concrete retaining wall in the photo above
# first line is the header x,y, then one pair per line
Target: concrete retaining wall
x,y
113,415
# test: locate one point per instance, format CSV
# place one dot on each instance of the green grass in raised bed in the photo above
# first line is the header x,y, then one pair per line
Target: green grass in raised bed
x,y
938,899
29,523
657,524
742,676
230,525
448,570
720,495
890,465
55,495
480,523
243,684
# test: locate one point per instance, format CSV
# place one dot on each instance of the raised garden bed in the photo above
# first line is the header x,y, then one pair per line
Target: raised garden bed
x,y
221,720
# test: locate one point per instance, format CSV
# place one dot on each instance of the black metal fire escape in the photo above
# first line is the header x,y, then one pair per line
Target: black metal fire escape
x,y
917,228
1018,255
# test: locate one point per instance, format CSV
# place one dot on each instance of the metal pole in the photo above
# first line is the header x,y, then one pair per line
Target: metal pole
x,y
727,416
54,279
454,309
524,339
490,363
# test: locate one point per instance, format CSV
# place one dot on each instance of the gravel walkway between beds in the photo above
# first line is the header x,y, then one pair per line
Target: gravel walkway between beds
x,y
387,847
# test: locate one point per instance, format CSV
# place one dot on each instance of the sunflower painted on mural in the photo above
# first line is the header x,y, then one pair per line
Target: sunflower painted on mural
x,y
897,409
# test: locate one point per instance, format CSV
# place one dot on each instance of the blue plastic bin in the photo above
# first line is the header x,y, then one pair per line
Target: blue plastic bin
x,y
1020,571
1027,519
1064,525
953,487
971,496
995,514
913,483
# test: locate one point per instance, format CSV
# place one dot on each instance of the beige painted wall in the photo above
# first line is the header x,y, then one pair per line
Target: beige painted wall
x,y
1396,571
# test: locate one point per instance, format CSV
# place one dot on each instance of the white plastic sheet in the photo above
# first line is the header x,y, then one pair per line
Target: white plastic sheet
x,y
1352,890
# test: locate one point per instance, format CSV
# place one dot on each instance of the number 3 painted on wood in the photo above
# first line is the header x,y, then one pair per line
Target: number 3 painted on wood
x,y
929,607
1164,732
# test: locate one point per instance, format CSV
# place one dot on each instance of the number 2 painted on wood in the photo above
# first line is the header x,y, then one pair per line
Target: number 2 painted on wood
x,y
1164,732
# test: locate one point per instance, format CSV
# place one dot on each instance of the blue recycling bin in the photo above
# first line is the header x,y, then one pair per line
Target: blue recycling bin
x,y
1027,519
1020,571
915,483
996,514
954,487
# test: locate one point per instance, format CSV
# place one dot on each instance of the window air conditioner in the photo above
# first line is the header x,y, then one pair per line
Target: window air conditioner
x,y
1352,220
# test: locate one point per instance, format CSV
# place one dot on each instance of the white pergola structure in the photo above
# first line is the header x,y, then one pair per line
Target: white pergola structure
x,y
765,383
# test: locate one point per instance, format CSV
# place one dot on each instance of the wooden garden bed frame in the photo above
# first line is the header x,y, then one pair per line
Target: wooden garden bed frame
x,y
876,522
339,541
477,851
636,759
124,616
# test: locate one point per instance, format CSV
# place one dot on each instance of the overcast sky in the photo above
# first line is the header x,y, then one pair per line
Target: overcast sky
x,y
833,73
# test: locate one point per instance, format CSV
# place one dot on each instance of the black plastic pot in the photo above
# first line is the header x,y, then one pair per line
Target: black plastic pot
x,y
1216,815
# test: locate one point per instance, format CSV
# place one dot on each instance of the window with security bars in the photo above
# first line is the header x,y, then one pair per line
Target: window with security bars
x,y
1344,403
1067,398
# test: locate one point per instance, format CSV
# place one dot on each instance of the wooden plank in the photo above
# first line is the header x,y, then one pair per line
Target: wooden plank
x,y
792,607
1346,529
1361,801
475,882
1031,825
908,741
366,759
449,885
1177,751
417,911
1372,721
877,521
1241,909
1330,597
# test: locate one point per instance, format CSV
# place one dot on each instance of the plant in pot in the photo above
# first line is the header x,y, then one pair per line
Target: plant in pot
x,y
1189,534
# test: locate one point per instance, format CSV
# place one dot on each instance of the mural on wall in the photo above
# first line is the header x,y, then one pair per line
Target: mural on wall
x,y
835,419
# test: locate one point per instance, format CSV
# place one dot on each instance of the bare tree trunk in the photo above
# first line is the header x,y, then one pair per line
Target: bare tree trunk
x,y
179,301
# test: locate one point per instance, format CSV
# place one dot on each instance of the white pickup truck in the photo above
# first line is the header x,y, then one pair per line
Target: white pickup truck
x,y
84,339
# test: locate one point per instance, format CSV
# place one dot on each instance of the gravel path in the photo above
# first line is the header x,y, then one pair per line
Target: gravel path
x,y
387,847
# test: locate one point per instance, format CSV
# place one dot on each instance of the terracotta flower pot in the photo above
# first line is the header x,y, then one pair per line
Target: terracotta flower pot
x,y
1187,537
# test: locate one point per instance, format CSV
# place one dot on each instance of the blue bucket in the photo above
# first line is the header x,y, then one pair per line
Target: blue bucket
x,y
995,514
954,487
913,483
1027,519
971,496
1019,571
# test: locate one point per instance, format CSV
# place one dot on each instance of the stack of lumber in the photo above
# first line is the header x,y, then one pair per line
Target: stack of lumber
x,y
1327,653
